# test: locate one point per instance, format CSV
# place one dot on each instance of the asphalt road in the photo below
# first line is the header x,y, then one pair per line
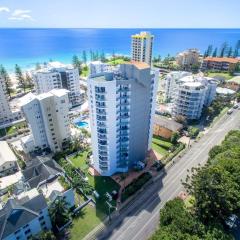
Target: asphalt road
x,y
141,218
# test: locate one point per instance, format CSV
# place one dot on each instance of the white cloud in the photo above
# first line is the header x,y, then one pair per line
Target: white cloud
x,y
4,9
20,14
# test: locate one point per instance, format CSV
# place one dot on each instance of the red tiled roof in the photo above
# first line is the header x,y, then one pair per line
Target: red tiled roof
x,y
223,59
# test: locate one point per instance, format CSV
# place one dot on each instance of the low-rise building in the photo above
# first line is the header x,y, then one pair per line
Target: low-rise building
x,y
188,58
234,83
8,160
219,64
165,127
24,218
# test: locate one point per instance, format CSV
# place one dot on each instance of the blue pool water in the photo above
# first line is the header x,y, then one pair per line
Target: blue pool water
x,y
81,124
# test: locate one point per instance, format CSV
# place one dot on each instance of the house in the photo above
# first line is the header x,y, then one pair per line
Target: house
x,y
234,83
24,218
220,64
8,160
165,127
41,171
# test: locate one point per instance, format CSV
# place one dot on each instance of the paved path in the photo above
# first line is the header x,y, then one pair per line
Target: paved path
x,y
141,218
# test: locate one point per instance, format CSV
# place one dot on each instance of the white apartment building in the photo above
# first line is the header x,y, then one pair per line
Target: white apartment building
x,y
59,76
7,115
191,95
122,104
98,67
171,83
188,58
141,49
47,115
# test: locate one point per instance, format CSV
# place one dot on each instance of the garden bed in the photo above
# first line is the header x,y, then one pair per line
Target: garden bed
x,y
135,185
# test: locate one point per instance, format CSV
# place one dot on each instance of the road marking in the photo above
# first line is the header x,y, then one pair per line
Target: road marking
x,y
175,176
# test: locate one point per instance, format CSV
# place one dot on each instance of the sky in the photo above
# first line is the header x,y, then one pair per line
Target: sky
x,y
119,13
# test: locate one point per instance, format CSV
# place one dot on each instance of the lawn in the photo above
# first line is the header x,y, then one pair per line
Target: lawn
x,y
85,72
85,222
103,185
12,129
116,61
226,75
160,145
79,161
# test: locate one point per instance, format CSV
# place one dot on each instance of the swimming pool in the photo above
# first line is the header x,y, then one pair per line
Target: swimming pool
x,y
81,124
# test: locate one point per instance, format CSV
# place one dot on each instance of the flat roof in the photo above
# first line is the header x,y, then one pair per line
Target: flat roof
x,y
6,153
138,65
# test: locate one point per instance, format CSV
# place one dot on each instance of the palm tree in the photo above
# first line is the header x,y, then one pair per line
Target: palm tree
x,y
59,212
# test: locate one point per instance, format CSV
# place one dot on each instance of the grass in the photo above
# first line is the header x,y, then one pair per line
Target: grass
x,y
85,72
161,145
219,116
79,160
116,61
189,202
103,185
84,223
225,75
12,129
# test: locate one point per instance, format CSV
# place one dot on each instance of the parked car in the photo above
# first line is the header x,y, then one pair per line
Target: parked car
x,y
230,111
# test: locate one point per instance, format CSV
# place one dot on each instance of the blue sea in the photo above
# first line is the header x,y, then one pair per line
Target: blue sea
x,y
28,46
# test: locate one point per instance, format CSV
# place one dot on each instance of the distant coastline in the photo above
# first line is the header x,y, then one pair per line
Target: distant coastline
x,y
28,46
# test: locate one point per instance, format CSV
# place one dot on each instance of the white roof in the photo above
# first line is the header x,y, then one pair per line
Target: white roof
x,y
10,180
30,194
224,91
48,188
193,84
59,92
26,139
30,96
6,154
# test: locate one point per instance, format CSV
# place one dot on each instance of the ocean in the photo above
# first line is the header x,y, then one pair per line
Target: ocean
x,y
26,47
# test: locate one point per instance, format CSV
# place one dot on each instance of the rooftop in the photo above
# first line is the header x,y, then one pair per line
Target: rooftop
x,y
139,65
167,123
54,92
224,91
223,59
235,80
6,153
41,171
10,180
17,213
142,35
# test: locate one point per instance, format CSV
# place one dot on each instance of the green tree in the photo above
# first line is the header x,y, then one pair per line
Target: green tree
x,y
175,136
230,52
59,212
77,63
29,81
20,78
209,50
216,194
84,56
7,80
215,52
48,235
223,49
236,50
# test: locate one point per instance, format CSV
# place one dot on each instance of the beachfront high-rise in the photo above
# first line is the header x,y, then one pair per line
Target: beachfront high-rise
x,y
47,115
57,76
122,104
142,45
7,115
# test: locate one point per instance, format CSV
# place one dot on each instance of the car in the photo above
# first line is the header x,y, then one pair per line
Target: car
x,y
235,106
230,111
